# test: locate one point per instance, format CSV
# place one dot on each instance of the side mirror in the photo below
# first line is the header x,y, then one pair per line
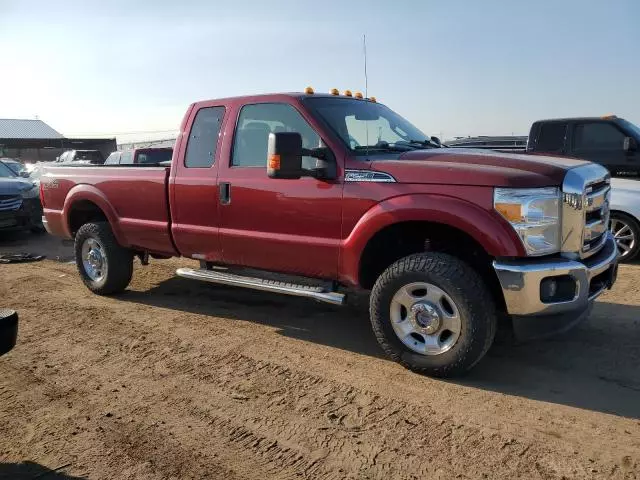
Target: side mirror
x,y
436,140
24,174
630,144
284,155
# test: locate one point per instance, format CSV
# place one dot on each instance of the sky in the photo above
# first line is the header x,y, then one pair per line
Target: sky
x,y
453,68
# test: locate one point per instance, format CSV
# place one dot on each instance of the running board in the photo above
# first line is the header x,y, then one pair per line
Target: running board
x,y
225,278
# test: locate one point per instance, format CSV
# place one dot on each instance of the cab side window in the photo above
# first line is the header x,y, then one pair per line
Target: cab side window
x,y
256,122
126,158
597,136
113,159
551,137
203,138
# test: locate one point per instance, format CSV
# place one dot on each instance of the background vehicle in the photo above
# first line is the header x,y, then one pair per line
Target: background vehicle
x,y
625,216
19,201
613,143
83,156
17,167
309,195
505,143
140,156
609,140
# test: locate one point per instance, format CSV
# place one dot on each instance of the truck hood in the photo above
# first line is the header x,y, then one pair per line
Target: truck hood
x,y
15,186
460,166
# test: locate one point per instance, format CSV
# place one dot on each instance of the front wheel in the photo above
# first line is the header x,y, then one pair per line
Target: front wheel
x,y
626,231
432,313
104,266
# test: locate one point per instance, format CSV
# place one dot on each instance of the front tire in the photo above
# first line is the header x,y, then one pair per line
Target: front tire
x,y
433,314
104,266
626,231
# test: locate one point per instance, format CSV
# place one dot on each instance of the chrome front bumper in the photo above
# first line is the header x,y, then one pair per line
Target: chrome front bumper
x,y
45,224
521,281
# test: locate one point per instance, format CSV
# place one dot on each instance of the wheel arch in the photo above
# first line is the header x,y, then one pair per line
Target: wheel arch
x,y
85,204
435,216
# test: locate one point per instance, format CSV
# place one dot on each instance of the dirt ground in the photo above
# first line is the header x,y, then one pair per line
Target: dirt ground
x,y
175,379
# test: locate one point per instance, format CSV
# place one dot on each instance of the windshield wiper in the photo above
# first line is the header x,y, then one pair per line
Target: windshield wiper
x,y
424,143
384,147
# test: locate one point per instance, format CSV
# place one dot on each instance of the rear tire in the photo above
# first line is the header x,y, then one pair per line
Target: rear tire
x,y
468,329
104,266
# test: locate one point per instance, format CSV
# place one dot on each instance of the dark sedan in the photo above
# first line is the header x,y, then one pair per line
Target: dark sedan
x,y
19,201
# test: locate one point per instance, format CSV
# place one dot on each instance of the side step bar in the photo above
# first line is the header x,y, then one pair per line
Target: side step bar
x,y
225,278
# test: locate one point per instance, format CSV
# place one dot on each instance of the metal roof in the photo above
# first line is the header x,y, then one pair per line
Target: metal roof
x,y
26,129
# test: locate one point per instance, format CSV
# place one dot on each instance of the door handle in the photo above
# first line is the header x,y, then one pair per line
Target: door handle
x,y
225,193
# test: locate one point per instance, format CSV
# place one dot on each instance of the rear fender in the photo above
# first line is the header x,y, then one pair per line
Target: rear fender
x,y
486,227
90,193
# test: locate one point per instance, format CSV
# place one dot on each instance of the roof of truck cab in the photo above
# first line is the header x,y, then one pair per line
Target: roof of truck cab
x,y
267,96
578,119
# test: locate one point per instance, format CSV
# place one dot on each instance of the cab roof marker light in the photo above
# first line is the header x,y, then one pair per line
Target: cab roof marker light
x,y
335,91
358,95
309,91
372,99
348,93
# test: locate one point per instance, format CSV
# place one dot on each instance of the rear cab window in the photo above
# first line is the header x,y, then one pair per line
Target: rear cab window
x,y
153,157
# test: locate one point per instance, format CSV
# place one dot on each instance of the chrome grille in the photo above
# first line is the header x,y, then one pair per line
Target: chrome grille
x,y
10,202
585,211
597,215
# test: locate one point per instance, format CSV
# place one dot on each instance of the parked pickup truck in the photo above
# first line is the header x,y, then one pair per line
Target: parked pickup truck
x,y
316,195
140,156
609,140
612,142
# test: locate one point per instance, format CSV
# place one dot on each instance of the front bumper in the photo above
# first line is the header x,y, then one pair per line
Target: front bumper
x,y
26,216
521,281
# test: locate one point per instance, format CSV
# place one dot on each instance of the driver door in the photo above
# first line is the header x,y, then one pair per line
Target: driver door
x,y
288,226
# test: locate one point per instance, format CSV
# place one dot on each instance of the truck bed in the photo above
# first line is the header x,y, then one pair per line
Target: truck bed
x,y
133,198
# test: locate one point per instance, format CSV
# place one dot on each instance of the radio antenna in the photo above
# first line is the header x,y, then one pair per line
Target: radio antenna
x,y
366,90
364,50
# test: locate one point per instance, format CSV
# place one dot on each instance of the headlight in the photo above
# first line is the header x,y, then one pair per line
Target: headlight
x,y
30,192
534,214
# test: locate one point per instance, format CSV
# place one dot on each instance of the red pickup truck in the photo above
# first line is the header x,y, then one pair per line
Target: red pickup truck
x,y
316,195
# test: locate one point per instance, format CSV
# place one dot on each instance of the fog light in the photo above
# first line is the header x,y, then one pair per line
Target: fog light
x,y
548,289
561,288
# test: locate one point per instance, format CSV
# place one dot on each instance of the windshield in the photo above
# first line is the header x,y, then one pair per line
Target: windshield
x,y
631,127
154,156
16,167
6,172
364,126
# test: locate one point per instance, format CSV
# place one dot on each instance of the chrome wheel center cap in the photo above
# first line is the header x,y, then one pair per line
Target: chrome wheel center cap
x,y
95,259
425,317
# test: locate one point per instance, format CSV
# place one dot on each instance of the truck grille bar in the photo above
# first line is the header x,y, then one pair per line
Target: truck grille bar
x,y
10,202
585,216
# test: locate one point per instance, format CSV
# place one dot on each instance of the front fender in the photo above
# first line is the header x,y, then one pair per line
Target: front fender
x,y
84,192
486,227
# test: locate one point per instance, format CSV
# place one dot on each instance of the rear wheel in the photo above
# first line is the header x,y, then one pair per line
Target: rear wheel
x,y
105,267
432,313
626,232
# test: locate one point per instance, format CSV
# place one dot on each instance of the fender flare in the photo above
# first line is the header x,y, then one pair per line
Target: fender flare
x,y
486,227
84,192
